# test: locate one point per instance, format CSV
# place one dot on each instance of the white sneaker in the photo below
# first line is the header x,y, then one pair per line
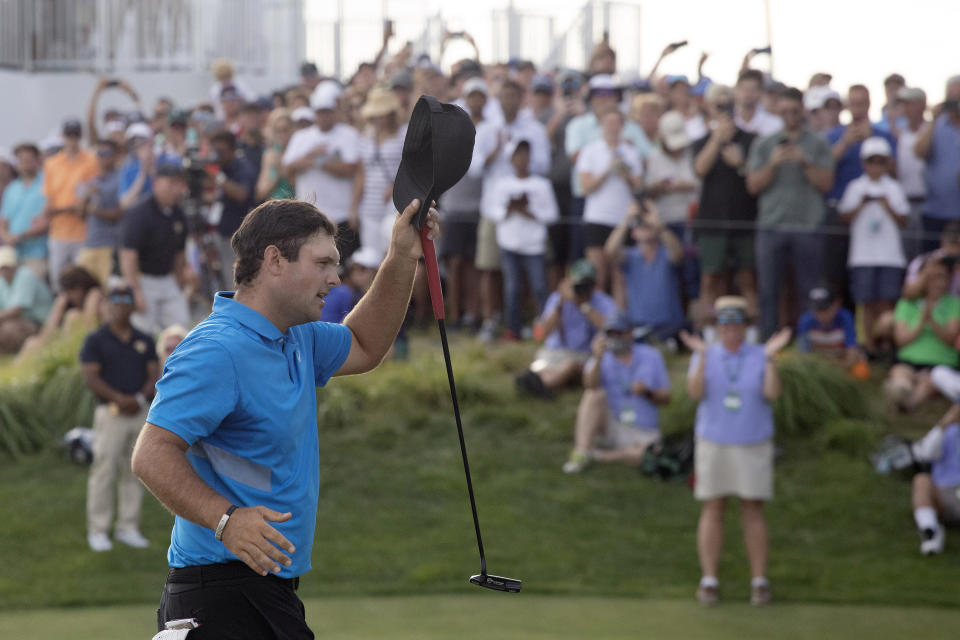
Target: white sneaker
x,y
99,542
576,463
932,540
131,538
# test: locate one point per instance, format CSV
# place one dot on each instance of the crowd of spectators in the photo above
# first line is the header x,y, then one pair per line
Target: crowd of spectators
x,y
594,214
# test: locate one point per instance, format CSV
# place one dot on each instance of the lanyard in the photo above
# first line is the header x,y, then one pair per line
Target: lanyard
x,y
733,373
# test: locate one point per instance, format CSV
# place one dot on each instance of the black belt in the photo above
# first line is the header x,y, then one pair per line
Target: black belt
x,y
220,572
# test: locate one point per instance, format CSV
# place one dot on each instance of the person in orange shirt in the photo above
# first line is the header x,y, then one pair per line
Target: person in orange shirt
x,y
63,174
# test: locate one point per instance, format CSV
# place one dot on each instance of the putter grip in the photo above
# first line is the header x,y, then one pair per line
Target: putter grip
x,y
433,272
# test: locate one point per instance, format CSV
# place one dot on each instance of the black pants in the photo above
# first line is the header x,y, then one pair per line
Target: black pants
x,y
231,601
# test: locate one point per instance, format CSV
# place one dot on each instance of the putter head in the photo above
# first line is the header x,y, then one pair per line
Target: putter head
x,y
497,583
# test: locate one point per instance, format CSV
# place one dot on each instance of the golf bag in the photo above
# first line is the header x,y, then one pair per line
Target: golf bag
x,y
670,459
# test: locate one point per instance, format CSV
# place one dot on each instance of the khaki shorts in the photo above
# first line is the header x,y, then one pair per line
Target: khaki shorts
x,y
488,251
551,358
733,470
620,435
950,498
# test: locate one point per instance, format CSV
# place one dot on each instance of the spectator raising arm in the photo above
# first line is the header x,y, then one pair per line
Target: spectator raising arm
x,y
130,270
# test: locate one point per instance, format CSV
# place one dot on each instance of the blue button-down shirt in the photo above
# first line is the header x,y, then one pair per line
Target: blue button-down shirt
x,y
943,167
243,396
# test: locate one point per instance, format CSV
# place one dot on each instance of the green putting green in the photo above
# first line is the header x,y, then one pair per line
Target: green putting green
x,y
489,615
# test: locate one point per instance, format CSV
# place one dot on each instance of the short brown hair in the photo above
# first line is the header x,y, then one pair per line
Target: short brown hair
x,y
75,277
285,224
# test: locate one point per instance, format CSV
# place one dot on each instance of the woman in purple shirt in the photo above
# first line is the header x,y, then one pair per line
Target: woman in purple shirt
x,y
734,384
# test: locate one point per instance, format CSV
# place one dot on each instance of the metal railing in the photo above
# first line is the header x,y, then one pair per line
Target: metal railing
x,y
106,36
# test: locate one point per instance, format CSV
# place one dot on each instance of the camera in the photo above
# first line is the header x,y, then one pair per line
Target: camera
x,y
583,289
198,168
726,108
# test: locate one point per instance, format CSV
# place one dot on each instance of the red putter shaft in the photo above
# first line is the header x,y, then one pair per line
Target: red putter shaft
x,y
433,272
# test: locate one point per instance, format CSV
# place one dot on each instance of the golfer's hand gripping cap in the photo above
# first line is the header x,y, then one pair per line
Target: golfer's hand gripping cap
x,y
436,154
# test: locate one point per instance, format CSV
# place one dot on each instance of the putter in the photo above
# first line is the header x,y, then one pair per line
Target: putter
x,y
482,579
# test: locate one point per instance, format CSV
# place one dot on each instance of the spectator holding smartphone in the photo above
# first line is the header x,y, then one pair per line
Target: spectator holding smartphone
x,y
789,171
937,143
876,208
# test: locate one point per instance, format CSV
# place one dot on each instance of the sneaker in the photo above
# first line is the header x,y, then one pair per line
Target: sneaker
x,y
576,463
99,542
760,595
707,595
131,538
931,540
488,331
532,383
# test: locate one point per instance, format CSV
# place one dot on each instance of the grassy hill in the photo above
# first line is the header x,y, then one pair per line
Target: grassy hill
x,y
394,517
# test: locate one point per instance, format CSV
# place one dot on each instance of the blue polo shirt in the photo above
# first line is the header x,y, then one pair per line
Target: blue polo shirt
x,y
736,376
849,166
946,468
20,206
339,302
575,331
243,396
617,377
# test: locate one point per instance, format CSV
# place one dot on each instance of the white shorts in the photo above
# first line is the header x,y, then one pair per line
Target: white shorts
x,y
733,470
620,435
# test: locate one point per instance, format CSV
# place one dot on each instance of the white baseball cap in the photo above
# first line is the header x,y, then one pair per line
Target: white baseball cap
x,y
139,130
475,84
673,130
603,82
302,113
875,146
366,257
817,97
325,96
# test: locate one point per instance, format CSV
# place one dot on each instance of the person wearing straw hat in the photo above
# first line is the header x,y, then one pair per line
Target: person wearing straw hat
x,y
381,146
735,384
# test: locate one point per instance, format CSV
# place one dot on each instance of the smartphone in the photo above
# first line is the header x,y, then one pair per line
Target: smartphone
x,y
457,34
112,83
726,109
767,49
677,45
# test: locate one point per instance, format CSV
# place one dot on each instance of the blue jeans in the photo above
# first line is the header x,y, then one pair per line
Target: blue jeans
x,y
776,250
514,265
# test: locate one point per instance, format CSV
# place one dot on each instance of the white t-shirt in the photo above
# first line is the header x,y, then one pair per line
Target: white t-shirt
x,y
910,168
488,133
329,193
609,203
674,207
874,235
516,232
762,124
695,127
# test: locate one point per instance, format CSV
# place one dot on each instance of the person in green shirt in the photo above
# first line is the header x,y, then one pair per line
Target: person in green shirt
x,y
25,301
925,331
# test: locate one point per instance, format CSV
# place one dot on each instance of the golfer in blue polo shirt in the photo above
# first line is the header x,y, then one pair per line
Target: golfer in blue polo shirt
x,y
230,445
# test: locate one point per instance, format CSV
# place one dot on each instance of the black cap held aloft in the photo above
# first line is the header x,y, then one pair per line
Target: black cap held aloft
x,y
436,154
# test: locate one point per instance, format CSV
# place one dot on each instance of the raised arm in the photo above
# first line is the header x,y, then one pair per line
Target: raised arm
x,y
376,319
